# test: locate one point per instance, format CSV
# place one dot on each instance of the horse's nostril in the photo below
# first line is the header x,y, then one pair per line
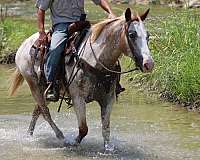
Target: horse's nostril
x,y
146,66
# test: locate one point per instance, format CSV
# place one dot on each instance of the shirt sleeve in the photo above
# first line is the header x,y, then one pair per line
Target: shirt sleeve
x,y
43,4
97,2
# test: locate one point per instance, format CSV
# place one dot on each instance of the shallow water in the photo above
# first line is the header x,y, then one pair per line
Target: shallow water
x,y
18,8
142,128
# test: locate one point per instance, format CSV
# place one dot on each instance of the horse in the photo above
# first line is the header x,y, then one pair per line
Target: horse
x,y
101,48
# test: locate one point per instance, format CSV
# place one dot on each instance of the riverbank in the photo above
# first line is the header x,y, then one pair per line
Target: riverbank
x,y
175,48
13,31
174,42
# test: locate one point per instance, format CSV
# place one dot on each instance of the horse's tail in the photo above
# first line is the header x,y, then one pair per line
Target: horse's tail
x,y
17,80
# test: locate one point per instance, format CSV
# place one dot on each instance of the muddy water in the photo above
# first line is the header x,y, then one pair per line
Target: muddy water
x,y
142,128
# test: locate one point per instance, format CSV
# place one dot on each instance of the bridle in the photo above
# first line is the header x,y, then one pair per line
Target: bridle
x,y
130,38
106,68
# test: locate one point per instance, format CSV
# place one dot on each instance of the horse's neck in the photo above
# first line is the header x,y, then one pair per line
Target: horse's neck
x,y
111,42
106,49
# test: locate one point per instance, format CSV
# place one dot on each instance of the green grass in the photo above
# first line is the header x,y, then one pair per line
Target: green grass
x,y
175,46
13,31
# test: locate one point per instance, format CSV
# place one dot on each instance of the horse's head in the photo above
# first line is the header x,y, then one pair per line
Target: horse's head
x,y
137,41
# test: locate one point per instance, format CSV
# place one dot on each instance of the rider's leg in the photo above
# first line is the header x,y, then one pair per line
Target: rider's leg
x,y
58,42
119,88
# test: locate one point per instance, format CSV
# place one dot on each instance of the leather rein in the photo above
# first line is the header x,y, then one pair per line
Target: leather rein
x,y
106,68
73,74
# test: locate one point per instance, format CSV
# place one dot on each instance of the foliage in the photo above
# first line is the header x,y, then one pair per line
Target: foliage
x,y
13,31
175,46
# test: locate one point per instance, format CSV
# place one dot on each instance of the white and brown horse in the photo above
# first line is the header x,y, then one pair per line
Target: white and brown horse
x,y
102,47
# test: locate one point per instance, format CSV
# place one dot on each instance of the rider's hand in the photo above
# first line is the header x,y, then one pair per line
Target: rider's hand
x,y
42,38
111,16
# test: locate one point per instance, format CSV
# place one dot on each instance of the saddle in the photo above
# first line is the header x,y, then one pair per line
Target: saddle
x,y
76,31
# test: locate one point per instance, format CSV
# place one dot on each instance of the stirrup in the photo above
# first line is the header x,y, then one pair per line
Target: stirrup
x,y
51,94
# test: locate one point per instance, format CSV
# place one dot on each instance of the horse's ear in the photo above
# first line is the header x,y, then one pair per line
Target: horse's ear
x,y
143,17
128,14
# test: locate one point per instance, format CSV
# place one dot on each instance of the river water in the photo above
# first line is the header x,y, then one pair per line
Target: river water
x,y
142,128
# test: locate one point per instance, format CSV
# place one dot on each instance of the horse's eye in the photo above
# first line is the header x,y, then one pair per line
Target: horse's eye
x,y
133,35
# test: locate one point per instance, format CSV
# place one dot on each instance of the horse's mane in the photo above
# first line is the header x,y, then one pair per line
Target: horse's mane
x,y
98,28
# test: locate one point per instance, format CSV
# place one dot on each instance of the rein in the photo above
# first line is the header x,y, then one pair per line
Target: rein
x,y
106,68
71,78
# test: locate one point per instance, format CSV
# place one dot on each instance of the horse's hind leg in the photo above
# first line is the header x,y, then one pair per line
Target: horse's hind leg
x,y
35,115
41,108
80,109
47,117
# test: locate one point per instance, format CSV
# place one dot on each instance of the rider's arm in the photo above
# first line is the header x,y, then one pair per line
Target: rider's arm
x,y
41,29
40,20
105,5
42,6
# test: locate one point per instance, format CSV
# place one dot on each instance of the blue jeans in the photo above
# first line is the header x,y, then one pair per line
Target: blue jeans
x,y
57,46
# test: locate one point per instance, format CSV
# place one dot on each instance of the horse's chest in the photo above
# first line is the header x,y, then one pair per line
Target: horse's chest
x,y
96,86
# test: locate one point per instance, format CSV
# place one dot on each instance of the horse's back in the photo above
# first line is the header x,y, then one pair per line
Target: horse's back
x,y
23,58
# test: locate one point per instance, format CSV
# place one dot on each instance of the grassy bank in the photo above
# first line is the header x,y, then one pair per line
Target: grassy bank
x,y
175,45
13,31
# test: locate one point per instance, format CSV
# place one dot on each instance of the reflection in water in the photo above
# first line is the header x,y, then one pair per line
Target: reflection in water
x,y
19,8
141,128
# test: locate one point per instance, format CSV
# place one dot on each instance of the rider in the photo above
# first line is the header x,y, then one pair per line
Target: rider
x,y
63,13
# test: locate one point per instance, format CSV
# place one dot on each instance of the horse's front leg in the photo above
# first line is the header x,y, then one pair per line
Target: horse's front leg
x,y
106,108
80,109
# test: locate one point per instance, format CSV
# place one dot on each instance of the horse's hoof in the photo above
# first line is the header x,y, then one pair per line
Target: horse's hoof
x,y
108,148
60,136
30,133
71,144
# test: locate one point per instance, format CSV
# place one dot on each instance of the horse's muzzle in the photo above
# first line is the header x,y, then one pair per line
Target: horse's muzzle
x,y
148,65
